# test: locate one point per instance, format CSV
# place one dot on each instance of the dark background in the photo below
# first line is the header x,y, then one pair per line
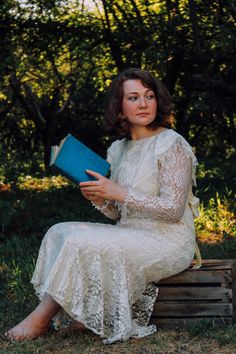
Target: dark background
x,y
58,58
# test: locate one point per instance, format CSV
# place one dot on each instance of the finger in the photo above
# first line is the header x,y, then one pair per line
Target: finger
x,y
91,193
83,191
94,174
90,196
88,183
92,190
85,194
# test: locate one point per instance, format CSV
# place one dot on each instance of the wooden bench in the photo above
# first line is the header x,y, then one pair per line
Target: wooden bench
x,y
208,293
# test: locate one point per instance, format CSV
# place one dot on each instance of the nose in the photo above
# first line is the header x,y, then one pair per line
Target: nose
x,y
142,102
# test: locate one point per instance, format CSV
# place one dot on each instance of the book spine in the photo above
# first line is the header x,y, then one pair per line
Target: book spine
x,y
58,170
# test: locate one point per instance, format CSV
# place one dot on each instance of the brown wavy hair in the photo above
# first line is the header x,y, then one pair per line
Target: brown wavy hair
x,y
117,125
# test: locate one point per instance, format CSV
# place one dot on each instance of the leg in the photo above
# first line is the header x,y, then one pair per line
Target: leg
x,y
37,323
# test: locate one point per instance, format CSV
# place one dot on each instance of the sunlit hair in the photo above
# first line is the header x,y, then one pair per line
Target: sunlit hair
x,y
117,124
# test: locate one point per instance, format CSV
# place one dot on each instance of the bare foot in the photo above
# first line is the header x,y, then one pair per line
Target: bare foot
x,y
29,328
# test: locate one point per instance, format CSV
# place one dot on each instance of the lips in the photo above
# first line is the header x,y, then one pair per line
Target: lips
x,y
142,114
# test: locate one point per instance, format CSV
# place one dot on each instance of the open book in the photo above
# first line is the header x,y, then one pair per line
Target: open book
x,y
72,158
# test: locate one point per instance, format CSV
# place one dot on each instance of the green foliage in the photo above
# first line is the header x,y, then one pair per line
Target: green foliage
x,y
17,261
217,217
16,165
42,202
59,58
216,225
7,212
207,329
216,228
201,327
216,176
225,248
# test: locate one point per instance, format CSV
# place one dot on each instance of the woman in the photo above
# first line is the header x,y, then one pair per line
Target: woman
x,y
101,275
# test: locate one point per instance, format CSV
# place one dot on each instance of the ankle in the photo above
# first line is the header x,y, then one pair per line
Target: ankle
x,y
39,319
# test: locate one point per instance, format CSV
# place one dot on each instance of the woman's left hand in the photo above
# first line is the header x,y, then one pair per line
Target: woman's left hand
x,y
103,187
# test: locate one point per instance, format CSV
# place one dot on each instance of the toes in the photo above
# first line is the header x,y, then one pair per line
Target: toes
x,y
11,336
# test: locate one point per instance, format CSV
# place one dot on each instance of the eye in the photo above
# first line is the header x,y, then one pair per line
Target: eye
x,y
150,97
132,98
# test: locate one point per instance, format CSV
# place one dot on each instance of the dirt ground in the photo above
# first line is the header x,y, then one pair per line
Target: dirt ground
x,y
162,342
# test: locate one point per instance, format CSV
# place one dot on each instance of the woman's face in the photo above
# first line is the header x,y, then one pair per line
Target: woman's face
x,y
139,103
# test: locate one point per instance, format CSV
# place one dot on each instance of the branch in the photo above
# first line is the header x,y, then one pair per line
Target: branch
x,y
16,86
136,10
63,107
34,103
115,48
173,69
195,27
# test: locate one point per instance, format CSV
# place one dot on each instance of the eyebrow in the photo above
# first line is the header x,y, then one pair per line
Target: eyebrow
x,y
134,92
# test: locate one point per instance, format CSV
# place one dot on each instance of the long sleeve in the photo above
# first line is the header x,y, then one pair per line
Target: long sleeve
x,y
108,209
175,181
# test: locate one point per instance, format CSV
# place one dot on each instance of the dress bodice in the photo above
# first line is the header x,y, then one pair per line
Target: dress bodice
x,y
159,172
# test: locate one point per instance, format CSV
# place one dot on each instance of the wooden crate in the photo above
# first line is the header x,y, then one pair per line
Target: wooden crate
x,y
208,293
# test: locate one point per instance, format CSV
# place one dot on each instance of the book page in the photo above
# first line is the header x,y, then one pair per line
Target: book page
x,y
55,151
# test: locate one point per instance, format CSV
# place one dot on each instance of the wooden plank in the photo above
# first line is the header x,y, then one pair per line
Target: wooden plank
x,y
233,287
218,268
208,293
217,264
234,301
198,276
165,309
234,270
195,293
168,323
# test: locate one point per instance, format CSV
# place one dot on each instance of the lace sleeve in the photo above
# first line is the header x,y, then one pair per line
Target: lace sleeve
x,y
175,181
108,209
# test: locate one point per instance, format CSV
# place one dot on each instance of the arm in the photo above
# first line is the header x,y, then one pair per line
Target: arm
x,y
104,192
175,180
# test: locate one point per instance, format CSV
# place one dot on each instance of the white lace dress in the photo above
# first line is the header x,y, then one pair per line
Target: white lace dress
x,y
99,272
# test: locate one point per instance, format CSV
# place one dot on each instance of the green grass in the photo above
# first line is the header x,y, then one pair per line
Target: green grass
x,y
32,204
162,342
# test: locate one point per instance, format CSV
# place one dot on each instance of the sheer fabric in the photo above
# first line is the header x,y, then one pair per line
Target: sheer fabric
x,y
102,275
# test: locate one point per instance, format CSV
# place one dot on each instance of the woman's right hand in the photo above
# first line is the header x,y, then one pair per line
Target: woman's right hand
x,y
99,201
105,188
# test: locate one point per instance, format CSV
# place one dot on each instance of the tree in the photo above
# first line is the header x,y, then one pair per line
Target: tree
x,y
60,57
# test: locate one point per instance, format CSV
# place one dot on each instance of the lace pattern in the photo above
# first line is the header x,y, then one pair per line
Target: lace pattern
x,y
109,209
175,174
98,273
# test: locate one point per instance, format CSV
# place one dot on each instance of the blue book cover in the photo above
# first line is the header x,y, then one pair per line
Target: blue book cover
x,y
72,158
